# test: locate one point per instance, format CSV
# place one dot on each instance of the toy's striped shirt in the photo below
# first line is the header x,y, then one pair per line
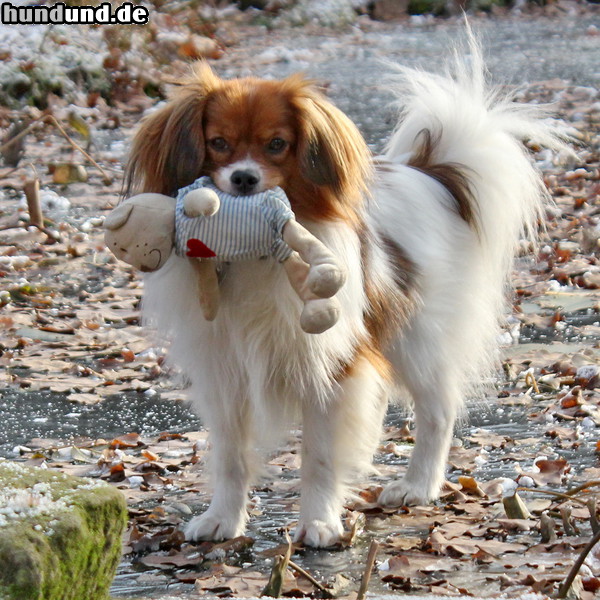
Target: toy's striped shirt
x,y
244,227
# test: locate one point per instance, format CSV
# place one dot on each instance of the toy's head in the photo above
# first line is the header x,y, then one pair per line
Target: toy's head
x,y
140,231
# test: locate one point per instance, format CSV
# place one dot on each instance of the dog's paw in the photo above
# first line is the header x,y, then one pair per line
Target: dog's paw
x,y
325,280
403,493
319,534
214,527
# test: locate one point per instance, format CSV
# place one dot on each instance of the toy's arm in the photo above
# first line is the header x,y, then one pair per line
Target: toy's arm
x,y
326,276
201,202
208,287
318,314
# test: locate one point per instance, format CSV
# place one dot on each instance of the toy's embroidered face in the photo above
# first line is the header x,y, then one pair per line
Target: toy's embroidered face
x,y
141,256
250,138
154,261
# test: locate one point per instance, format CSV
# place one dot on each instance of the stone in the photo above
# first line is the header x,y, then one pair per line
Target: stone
x,y
60,536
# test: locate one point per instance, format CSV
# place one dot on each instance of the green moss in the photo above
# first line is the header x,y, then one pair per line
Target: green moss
x,y
439,7
487,5
69,552
419,7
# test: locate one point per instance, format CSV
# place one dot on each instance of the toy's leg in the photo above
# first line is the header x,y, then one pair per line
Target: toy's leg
x,y
318,314
326,275
208,287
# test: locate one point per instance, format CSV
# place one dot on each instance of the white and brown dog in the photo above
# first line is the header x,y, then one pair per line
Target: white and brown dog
x,y
427,233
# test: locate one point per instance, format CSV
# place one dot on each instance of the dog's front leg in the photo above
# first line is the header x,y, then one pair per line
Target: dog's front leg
x,y
230,463
339,439
322,490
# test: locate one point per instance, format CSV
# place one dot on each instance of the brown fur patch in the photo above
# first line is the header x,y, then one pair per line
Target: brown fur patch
x,y
405,270
389,306
450,175
374,356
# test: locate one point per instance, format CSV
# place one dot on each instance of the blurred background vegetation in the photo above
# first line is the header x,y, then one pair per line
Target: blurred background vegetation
x,y
116,62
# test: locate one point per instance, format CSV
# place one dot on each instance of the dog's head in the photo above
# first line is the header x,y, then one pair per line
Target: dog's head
x,y
250,135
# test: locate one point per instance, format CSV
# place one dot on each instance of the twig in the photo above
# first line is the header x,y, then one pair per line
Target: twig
x,y
530,380
583,486
308,576
591,504
565,515
14,152
9,172
552,493
32,195
547,528
34,206
364,583
280,565
107,179
22,133
566,585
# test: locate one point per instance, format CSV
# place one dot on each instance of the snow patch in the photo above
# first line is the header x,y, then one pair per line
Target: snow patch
x,y
19,504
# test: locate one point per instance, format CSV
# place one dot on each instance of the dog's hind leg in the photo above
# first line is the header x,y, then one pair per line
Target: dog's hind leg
x,y
434,419
432,378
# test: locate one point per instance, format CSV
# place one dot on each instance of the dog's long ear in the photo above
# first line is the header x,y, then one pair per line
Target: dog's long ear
x,y
331,150
168,150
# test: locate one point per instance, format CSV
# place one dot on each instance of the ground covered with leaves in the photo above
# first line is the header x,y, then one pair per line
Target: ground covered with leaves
x,y
519,505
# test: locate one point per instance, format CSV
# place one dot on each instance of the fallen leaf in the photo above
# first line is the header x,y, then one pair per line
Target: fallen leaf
x,y
129,440
80,398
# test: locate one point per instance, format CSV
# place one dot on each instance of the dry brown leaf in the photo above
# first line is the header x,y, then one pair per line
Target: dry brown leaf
x,y
128,440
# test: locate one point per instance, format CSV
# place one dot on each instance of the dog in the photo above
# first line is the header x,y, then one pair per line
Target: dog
x,y
427,233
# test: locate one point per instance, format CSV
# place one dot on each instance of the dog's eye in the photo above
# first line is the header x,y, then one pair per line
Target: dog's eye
x,y
276,145
219,144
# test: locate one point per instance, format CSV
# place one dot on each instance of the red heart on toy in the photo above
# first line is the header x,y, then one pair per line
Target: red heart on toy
x,y
196,249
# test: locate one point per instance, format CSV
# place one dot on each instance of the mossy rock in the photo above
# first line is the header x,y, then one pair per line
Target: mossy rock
x,y
60,536
420,7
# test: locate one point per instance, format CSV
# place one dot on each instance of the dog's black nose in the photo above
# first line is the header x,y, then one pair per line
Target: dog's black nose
x,y
244,182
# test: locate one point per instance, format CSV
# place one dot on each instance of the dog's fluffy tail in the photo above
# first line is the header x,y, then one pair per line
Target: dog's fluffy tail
x,y
458,120
469,138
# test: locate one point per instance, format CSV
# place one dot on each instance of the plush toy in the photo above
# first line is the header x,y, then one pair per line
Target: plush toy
x,y
209,226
